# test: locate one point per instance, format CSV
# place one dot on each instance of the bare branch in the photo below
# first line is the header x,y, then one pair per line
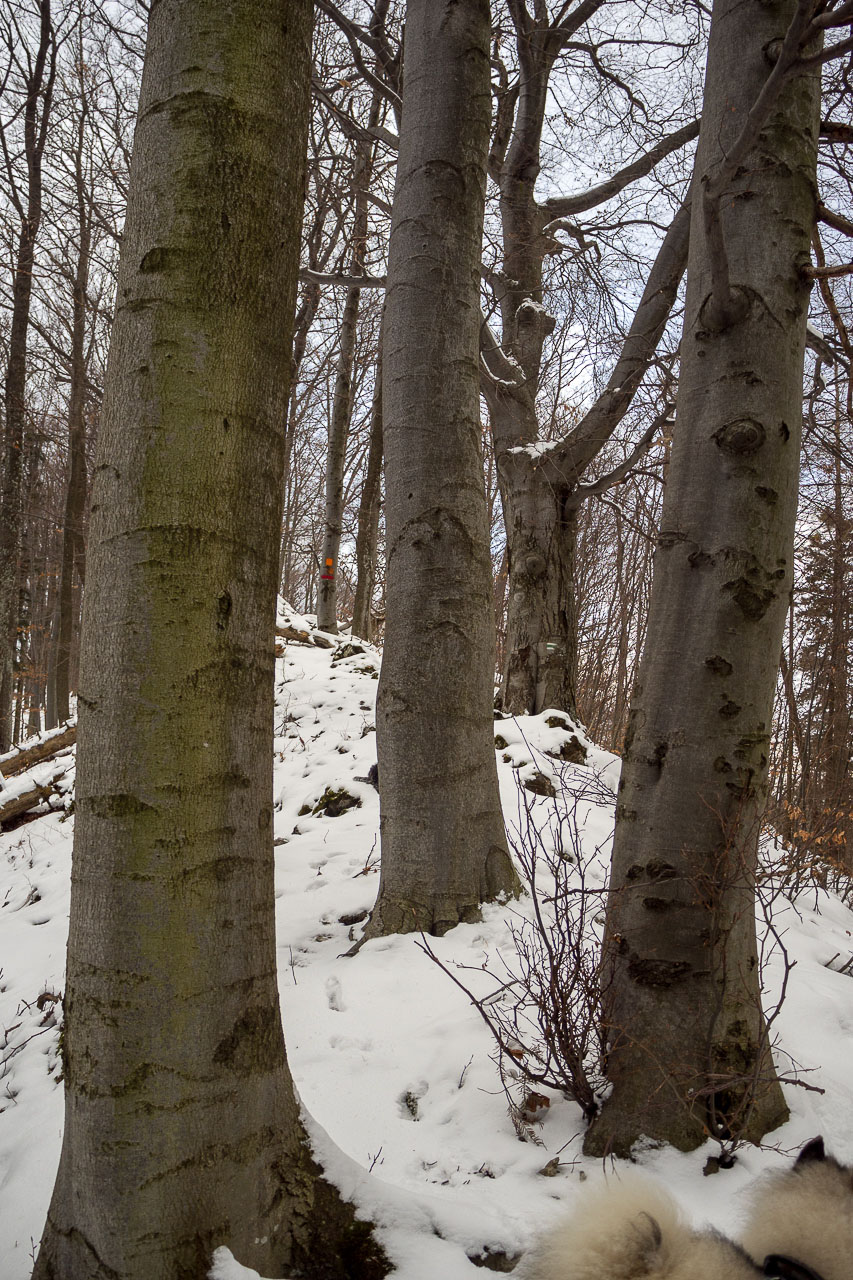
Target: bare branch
x,y
835,131
567,461
833,219
565,206
357,36
498,365
829,273
350,127
307,276
618,474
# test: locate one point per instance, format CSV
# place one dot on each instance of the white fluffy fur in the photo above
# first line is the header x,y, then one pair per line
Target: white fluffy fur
x,y
633,1230
805,1213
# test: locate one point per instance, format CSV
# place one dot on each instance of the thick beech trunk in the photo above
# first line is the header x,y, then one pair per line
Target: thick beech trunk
x,y
182,1128
443,843
688,1047
542,490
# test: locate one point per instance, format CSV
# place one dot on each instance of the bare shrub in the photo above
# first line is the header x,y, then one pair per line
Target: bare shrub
x,y
545,1012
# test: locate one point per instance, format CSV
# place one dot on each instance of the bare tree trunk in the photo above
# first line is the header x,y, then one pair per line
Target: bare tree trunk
x,y
540,502
540,659
327,600
836,798
39,92
367,535
182,1128
443,844
327,595
73,552
688,1048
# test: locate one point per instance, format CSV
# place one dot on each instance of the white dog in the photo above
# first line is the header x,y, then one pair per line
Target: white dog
x,y
800,1227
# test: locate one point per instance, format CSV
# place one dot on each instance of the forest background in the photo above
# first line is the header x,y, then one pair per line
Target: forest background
x,y
616,151
579,371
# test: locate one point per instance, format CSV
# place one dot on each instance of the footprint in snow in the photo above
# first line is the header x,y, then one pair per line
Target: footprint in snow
x,y
335,995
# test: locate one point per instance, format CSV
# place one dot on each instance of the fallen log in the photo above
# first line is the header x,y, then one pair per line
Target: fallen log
x,y
303,637
23,758
25,800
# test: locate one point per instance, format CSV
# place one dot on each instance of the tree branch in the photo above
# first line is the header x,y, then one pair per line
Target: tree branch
x,y
835,131
356,36
499,367
833,219
307,276
567,461
565,206
829,273
619,473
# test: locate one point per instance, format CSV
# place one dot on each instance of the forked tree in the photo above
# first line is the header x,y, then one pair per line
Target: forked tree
x,y
443,844
182,1128
688,1046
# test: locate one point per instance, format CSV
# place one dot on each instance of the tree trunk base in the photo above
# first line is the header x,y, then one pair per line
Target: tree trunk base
x,y
326,1241
648,1112
438,916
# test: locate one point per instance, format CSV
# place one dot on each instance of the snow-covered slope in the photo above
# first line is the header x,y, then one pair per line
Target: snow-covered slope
x,y
393,1064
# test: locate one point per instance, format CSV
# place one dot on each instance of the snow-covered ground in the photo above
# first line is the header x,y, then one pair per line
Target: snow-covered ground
x,y
393,1064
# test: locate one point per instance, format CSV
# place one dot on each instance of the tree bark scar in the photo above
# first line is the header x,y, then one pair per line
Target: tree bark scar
x,y
718,666
657,973
669,537
161,258
658,870
117,805
252,1045
223,608
753,601
742,437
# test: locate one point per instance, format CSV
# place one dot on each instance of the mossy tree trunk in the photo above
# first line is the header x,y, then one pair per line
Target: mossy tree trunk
x,y
443,844
688,1049
182,1128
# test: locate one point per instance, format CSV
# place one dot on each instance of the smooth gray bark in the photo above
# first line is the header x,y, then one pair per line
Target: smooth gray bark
x,y
339,425
73,558
688,1046
38,87
541,495
443,844
367,533
327,590
182,1129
